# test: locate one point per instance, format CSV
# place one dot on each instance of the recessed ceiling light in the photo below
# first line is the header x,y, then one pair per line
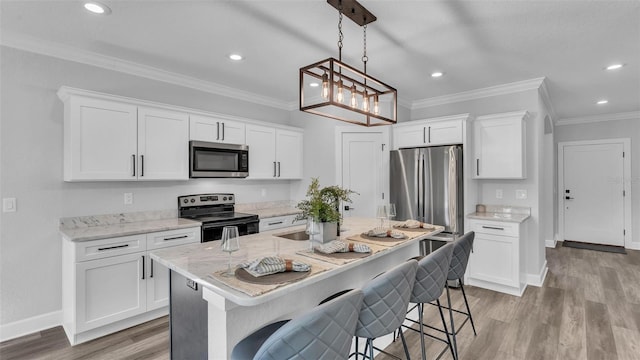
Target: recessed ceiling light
x,y
314,84
602,102
97,8
614,66
437,74
235,57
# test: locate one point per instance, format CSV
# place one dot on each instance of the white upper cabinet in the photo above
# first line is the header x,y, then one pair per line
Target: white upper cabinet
x,y
429,132
204,128
500,146
100,140
274,153
163,151
107,139
289,154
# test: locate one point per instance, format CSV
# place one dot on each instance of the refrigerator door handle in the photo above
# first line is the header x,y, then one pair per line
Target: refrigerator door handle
x,y
420,186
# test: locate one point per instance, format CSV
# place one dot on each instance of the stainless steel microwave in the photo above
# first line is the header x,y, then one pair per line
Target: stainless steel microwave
x,y
215,160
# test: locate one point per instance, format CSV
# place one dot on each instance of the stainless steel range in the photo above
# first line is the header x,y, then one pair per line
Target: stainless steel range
x,y
216,211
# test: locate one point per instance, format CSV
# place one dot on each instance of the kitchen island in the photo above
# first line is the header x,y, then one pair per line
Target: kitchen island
x,y
236,309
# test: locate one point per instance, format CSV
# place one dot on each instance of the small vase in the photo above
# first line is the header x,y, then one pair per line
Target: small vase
x,y
328,231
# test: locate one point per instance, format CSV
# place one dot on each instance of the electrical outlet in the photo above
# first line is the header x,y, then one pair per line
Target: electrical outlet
x,y
9,205
498,193
128,198
521,194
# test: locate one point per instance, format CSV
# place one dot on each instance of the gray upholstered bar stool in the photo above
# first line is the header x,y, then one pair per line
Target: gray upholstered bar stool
x,y
431,278
325,332
384,307
462,249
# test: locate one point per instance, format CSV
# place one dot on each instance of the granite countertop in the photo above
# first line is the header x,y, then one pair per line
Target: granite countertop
x,y
269,209
74,232
200,261
516,214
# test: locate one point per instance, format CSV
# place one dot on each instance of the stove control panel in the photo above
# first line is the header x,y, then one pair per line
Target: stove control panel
x,y
205,199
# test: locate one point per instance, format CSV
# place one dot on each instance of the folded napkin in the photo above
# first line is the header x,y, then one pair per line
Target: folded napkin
x,y
382,232
338,246
271,265
413,224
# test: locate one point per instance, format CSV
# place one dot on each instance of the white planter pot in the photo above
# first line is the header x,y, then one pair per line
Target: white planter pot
x,y
328,231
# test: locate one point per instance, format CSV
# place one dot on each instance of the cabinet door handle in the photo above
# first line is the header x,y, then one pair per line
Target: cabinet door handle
x,y
217,130
143,269
141,165
151,261
222,131
133,158
278,168
275,223
477,167
113,247
176,237
424,135
429,134
492,227
274,169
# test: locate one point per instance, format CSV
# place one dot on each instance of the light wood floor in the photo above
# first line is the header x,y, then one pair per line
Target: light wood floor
x,y
588,308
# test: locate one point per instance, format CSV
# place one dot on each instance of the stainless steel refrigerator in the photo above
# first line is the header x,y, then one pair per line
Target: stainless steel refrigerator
x,y
426,185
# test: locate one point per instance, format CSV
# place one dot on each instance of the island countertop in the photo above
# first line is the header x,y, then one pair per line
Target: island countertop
x,y
199,261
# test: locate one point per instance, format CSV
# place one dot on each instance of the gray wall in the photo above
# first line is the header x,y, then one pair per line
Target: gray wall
x,y
31,159
611,130
525,100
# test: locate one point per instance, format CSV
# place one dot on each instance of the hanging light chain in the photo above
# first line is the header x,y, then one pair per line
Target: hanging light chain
x,y
365,58
340,36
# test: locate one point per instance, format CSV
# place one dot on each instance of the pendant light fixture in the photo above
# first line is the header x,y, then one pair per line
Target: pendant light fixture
x,y
348,94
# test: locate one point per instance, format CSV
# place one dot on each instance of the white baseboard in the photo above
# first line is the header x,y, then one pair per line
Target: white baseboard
x,y
633,246
538,279
550,243
27,326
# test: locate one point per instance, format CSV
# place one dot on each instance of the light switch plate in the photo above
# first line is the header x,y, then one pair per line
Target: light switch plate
x,y
9,205
521,194
498,193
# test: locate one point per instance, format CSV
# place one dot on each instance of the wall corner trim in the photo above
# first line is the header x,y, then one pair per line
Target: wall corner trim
x,y
30,325
538,279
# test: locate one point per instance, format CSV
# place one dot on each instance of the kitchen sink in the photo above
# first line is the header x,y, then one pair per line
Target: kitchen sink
x,y
296,235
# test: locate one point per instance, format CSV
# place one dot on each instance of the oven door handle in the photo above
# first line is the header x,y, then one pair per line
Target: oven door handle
x,y
227,223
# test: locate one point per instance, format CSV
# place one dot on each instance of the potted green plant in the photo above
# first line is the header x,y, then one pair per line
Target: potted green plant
x,y
323,206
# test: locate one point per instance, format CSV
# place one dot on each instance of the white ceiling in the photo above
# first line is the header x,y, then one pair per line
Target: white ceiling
x,y
477,44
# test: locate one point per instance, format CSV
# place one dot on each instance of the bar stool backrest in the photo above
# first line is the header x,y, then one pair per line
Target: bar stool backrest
x,y
325,332
431,275
386,298
461,251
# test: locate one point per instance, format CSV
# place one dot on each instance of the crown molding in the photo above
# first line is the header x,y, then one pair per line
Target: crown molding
x,y
70,53
632,115
497,90
546,100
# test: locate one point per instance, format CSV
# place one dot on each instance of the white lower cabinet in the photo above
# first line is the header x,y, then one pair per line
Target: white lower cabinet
x,y
109,289
278,222
497,260
112,284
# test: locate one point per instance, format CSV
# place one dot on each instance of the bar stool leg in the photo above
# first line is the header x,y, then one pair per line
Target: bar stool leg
x,y
370,344
466,303
453,327
446,330
404,344
420,319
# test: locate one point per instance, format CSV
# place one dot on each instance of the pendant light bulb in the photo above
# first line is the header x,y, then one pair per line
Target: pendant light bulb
x,y
325,86
340,95
376,108
354,101
365,101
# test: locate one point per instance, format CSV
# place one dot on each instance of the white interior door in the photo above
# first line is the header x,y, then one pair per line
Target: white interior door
x,y
593,200
363,172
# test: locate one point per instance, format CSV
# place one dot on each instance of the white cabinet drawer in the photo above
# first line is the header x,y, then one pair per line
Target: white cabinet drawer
x,y
169,238
494,227
98,249
279,222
